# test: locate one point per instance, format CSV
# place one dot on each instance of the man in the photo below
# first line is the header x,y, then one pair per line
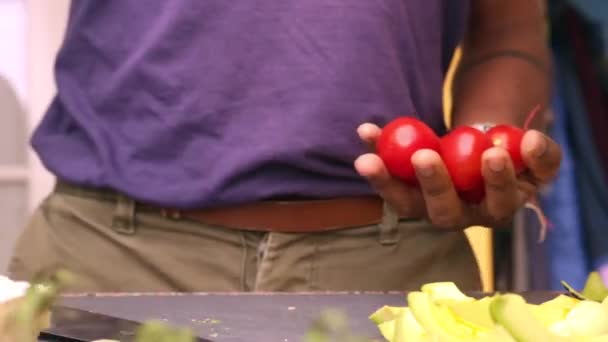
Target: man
x,y
212,145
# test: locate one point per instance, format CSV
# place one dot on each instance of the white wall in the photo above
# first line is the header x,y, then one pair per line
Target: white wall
x,y
46,26
12,36
13,155
30,34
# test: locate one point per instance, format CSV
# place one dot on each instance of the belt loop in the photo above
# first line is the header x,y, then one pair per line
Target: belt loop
x,y
389,226
124,216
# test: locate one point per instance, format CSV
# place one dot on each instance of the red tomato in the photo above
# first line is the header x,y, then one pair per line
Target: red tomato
x,y
509,138
399,140
461,151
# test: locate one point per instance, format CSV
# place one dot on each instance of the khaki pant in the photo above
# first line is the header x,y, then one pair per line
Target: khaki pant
x,y
112,245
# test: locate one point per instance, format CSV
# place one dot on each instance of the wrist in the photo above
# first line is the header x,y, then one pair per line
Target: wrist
x,y
484,118
537,117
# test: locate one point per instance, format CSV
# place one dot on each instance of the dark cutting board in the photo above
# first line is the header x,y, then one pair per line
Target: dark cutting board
x,y
248,317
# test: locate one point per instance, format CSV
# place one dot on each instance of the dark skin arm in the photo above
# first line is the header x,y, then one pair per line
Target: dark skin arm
x,y
505,72
505,68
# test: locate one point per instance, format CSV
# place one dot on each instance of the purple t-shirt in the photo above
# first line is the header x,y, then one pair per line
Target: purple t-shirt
x,y
193,103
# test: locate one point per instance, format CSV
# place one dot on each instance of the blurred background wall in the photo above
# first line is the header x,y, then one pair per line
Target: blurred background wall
x,y
30,33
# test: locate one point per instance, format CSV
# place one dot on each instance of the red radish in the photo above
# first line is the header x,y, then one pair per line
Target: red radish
x,y
461,151
510,137
399,140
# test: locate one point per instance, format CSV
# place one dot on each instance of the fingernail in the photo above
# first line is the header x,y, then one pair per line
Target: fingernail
x,y
541,148
496,164
426,171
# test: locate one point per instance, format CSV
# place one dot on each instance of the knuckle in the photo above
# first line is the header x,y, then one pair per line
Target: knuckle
x,y
502,210
499,185
550,164
500,220
379,184
498,215
545,174
406,209
443,217
436,189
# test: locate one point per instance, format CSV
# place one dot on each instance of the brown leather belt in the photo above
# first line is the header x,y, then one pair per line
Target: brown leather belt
x,y
281,216
290,216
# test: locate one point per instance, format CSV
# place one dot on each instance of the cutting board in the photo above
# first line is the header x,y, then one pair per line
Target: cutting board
x,y
248,317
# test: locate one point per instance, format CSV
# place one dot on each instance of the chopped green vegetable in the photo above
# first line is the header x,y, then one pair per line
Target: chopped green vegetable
x,y
594,290
440,312
332,326
157,331
23,323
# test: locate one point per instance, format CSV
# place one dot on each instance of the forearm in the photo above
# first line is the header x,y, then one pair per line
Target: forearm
x,y
503,75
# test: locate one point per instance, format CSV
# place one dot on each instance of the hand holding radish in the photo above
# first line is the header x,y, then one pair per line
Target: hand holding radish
x,y
462,179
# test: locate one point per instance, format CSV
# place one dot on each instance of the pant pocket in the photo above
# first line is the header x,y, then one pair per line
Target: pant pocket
x,y
397,257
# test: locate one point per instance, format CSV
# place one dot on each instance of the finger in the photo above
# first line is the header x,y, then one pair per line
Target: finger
x,y
542,155
444,206
369,133
406,200
503,196
527,184
528,189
